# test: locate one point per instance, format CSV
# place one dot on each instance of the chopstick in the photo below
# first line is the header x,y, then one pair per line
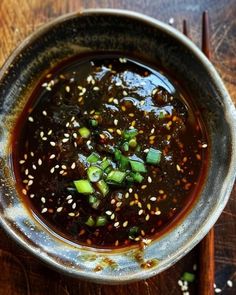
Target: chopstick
x,y
207,258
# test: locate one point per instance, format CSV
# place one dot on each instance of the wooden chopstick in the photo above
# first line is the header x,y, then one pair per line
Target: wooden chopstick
x,y
207,257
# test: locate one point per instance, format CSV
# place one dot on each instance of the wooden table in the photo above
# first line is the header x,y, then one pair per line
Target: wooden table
x,y
21,273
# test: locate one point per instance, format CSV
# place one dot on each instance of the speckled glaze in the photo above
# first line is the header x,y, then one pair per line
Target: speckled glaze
x,y
124,31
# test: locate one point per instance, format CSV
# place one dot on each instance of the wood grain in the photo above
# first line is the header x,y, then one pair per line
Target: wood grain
x,y
24,274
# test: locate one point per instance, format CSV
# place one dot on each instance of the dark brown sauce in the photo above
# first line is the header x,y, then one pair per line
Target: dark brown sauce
x,y
118,94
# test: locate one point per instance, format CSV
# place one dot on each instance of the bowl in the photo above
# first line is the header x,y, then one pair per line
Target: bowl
x,y
126,32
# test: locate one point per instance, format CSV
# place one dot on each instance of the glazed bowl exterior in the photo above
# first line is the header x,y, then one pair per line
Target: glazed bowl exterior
x,y
132,33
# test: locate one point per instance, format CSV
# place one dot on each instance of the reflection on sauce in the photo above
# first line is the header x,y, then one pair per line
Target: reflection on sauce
x,y
108,152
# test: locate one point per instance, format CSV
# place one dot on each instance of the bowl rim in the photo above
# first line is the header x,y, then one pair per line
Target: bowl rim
x,y
230,117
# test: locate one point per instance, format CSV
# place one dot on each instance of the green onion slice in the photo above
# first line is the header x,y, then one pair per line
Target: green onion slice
x,y
130,133
137,166
188,277
90,221
83,186
153,156
115,177
101,221
103,187
93,158
84,132
94,173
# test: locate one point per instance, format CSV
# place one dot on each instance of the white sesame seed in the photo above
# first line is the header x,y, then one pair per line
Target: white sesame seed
x,y
30,119
52,170
62,172
116,224
24,191
32,154
71,214
204,145
59,209
34,167
65,140
130,190
50,132
153,199
140,212
95,88
22,162
125,93
67,124
115,101
44,113
30,182
44,138
43,200
109,213
218,290
195,267
52,156
73,165
69,197
40,162
153,130
72,118
63,167
44,210
74,206
52,143
31,196
115,122
67,89
230,283
180,283
178,167
26,171
25,156
113,216
75,135
146,151
125,223
30,177
127,195
57,166
147,217
66,134
149,179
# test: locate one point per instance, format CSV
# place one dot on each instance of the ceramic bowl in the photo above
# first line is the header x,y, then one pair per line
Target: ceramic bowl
x,y
124,31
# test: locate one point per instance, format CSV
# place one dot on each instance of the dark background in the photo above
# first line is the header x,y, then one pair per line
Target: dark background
x,y
21,273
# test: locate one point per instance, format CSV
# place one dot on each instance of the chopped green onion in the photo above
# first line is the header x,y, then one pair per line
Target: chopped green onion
x,y
125,146
84,132
188,277
137,166
93,122
117,154
93,201
101,221
137,177
115,177
103,187
108,169
83,186
130,133
90,221
153,156
93,158
105,164
133,142
123,163
94,173
133,232
161,115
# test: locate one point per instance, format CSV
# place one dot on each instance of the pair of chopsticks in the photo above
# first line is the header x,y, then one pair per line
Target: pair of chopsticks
x,y
206,260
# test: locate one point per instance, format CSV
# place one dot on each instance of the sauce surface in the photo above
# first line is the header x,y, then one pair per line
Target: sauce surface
x,y
108,152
